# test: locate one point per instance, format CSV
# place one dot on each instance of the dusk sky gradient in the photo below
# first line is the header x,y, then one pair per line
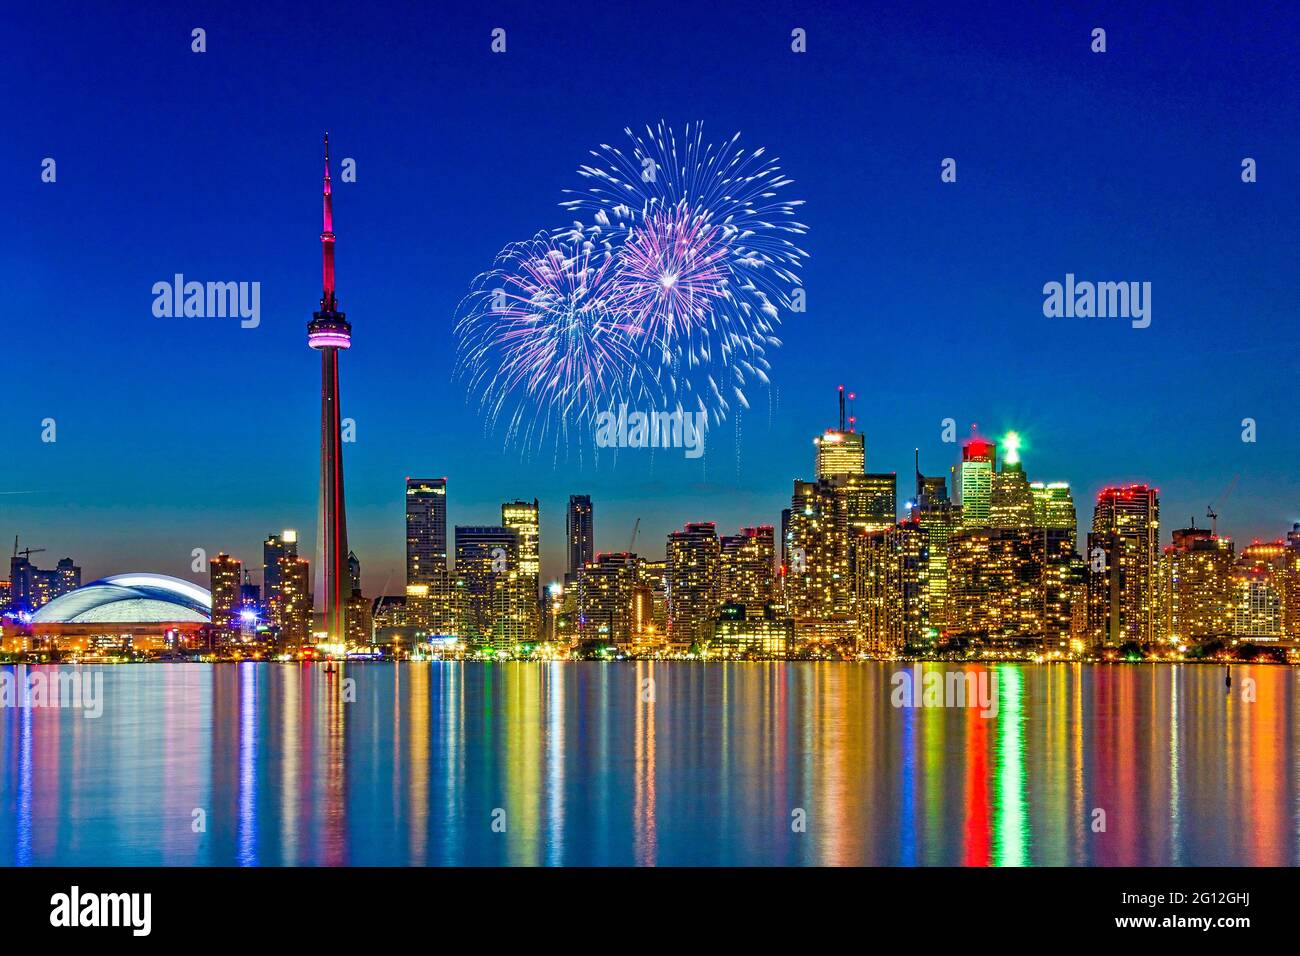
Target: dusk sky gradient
x,y
924,297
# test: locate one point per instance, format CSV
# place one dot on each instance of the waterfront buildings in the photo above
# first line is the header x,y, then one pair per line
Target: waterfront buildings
x,y
694,581
579,531
1123,555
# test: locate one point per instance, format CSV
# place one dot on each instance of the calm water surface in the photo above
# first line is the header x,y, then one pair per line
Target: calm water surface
x,y
418,767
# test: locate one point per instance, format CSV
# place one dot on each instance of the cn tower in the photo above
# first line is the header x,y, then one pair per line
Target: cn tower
x,y
329,333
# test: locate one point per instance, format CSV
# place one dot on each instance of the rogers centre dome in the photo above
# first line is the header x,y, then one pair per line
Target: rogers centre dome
x,y
139,598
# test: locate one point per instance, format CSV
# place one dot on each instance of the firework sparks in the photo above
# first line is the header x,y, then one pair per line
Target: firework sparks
x,y
706,257
542,343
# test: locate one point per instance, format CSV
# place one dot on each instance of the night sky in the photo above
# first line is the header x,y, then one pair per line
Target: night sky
x,y
925,297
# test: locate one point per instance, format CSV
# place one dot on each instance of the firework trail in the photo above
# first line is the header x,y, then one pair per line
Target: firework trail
x,y
540,341
706,260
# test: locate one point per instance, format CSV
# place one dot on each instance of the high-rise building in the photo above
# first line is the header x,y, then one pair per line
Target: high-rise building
x,y
490,589
890,572
840,451
579,530
1123,555
1012,586
978,458
1054,506
606,592
694,578
226,576
748,569
275,547
524,519
1011,501
938,517
31,588
329,332
295,601
816,580
1197,587
426,529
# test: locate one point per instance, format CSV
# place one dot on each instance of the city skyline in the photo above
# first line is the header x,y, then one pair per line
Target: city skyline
x,y
924,332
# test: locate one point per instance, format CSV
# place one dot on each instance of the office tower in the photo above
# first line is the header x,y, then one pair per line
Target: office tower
x,y
1291,585
6,595
329,332
1196,581
359,619
524,519
250,608
654,576
785,538
295,600
354,573
693,584
747,567
938,517
31,588
490,590
890,572
1012,587
978,457
1054,506
1011,500
817,581
579,530
275,547
1257,604
426,529
606,586
1123,553
842,451
67,577
226,576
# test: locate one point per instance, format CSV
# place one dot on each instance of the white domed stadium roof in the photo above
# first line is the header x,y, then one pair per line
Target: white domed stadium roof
x,y
136,598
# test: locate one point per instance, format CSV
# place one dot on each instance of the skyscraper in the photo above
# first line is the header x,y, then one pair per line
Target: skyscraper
x,y
840,451
426,529
976,481
295,610
748,564
693,583
329,332
489,587
606,592
226,576
1196,577
524,519
275,547
1123,555
579,530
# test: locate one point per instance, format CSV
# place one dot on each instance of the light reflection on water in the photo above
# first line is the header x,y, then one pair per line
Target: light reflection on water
x,y
652,764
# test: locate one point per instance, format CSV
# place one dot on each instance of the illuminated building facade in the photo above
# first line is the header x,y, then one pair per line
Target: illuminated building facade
x,y
579,532
295,601
31,588
524,519
978,458
1123,556
225,575
748,568
490,589
817,580
1197,586
694,582
606,612
737,634
890,572
275,547
1054,506
426,529
938,517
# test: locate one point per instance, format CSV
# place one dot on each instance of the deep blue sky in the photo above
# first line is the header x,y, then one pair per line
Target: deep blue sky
x,y
925,297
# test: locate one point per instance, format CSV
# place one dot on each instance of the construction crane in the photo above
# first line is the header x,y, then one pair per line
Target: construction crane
x,y
25,552
631,546
1214,515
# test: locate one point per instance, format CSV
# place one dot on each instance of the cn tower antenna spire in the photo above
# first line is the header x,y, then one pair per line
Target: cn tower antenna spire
x,y
328,302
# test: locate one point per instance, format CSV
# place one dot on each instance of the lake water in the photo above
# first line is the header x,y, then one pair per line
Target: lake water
x,y
571,763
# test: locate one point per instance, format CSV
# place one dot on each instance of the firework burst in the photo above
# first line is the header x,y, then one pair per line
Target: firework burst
x,y
706,259
542,343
